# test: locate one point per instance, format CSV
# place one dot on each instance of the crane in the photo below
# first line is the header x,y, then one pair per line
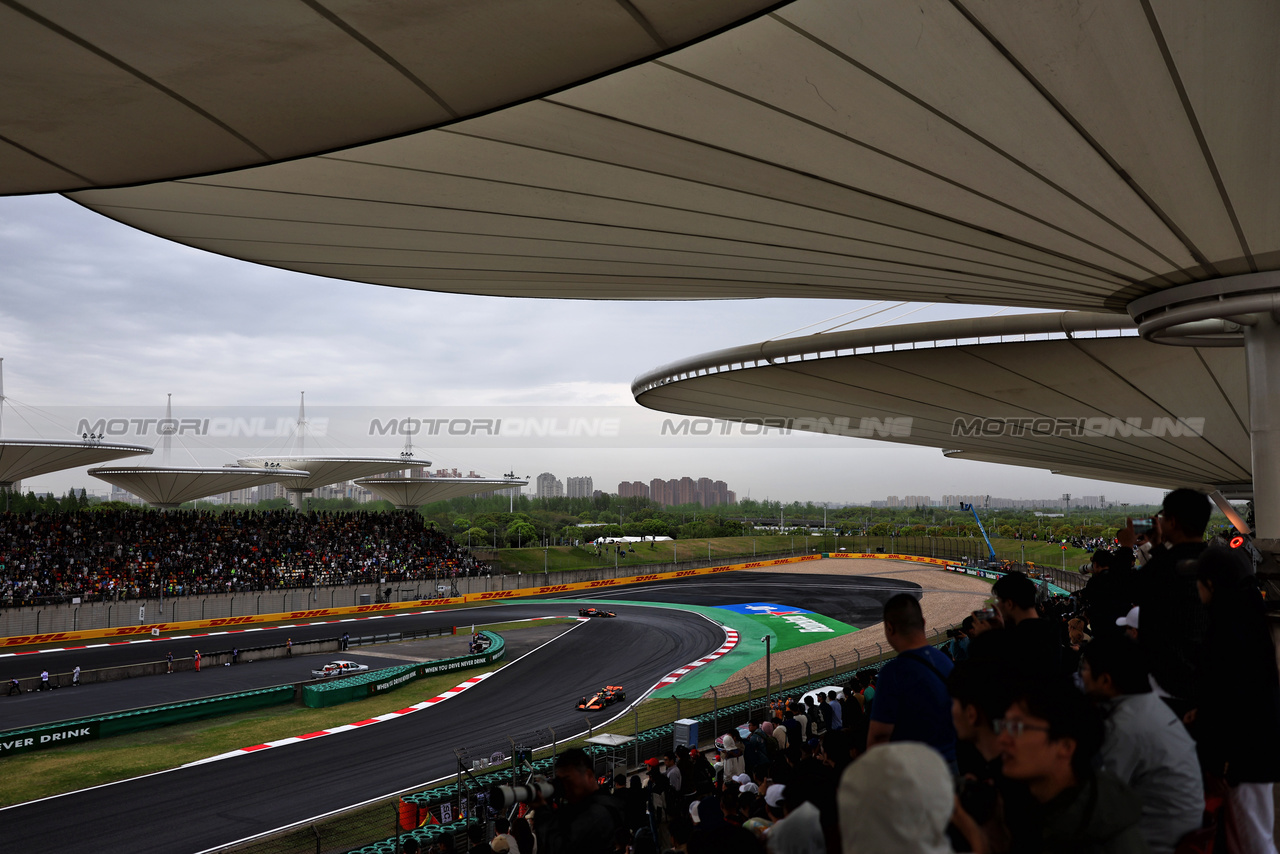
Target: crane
x,y
991,560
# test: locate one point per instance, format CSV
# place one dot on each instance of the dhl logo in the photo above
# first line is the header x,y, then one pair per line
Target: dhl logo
x,y
751,565
646,578
138,630
232,621
26,639
363,608
497,594
684,573
722,569
608,582
302,615
554,588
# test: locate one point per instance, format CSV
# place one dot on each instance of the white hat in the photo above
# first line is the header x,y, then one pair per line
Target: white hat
x,y
749,788
774,794
896,797
742,779
1130,619
500,843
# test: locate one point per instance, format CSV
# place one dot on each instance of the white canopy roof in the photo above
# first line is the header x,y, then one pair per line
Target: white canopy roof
x,y
172,486
123,91
23,458
322,471
1073,155
1076,393
407,493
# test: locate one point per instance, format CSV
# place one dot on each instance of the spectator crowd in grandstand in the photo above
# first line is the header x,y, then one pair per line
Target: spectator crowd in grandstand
x,y
128,554
1141,715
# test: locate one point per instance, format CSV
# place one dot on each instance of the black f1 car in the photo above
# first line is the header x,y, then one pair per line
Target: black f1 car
x,y
606,696
595,612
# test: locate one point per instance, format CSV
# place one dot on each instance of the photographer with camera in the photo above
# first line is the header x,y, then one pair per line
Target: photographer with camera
x,y
960,639
577,818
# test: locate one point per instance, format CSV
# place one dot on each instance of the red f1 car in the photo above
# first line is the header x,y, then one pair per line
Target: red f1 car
x,y
595,612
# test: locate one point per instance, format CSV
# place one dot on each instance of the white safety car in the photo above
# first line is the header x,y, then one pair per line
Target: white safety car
x,y
338,668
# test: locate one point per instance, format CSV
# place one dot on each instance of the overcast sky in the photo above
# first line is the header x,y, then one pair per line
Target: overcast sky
x,y
95,313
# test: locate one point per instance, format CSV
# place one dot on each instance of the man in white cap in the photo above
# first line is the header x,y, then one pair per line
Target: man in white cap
x,y
797,825
897,797
1129,622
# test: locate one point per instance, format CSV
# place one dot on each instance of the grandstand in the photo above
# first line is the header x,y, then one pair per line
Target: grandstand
x,y
123,555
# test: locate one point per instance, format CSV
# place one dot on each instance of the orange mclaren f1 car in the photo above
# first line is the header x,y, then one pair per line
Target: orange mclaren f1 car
x,y
606,696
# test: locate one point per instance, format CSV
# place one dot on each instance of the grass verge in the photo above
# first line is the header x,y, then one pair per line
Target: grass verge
x,y
65,769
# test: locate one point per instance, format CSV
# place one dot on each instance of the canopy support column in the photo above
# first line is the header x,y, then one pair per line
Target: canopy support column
x,y
1262,358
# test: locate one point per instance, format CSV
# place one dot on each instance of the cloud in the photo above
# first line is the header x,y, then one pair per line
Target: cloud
x,y
95,312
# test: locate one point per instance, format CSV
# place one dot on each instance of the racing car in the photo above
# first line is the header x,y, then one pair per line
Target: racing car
x,y
606,696
595,612
339,668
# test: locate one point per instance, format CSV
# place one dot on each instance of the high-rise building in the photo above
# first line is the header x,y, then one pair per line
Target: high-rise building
x,y
703,491
240,496
549,486
633,489
684,491
579,487
271,491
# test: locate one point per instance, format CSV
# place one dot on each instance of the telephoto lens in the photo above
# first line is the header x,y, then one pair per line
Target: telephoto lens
x,y
504,797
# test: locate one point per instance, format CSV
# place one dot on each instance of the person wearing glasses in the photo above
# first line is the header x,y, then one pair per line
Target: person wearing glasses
x,y
1048,739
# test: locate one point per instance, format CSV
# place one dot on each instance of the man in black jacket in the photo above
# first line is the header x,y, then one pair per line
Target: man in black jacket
x,y
1033,645
1111,590
1173,621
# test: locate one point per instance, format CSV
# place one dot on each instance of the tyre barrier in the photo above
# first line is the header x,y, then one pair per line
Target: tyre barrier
x,y
373,682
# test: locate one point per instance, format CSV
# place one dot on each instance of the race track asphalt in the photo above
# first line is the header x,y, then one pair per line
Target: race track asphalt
x,y
204,806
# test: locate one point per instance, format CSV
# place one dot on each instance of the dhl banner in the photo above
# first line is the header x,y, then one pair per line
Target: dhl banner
x,y
391,607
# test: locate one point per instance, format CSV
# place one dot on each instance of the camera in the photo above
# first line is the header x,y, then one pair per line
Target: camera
x,y
1142,527
987,614
955,633
504,797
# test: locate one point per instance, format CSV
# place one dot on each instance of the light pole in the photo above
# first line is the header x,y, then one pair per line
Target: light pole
x,y
767,663
545,570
